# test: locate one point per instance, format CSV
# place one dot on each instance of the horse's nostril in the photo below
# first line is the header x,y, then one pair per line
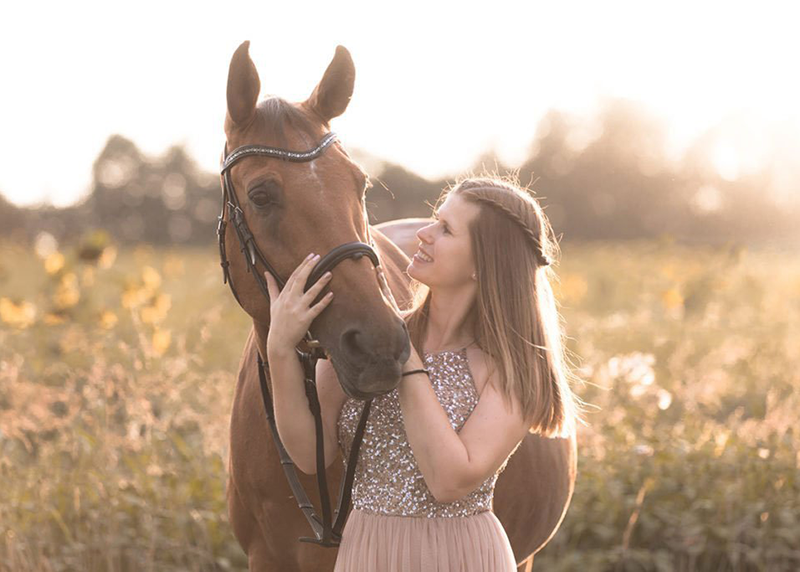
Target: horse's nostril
x,y
351,342
362,347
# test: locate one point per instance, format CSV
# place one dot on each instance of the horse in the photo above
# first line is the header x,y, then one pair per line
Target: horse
x,y
293,209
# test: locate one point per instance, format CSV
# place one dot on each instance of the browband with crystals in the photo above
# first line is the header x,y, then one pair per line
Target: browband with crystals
x,y
263,151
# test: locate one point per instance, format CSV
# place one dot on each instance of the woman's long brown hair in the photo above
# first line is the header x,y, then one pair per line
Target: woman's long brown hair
x,y
515,316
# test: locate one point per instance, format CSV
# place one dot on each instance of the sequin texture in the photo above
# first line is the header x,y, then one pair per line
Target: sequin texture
x,y
388,479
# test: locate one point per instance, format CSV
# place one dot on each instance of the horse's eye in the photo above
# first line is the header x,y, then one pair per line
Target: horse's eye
x,y
263,196
260,198
264,193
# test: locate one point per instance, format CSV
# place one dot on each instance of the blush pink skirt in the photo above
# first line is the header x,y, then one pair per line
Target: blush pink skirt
x,y
383,543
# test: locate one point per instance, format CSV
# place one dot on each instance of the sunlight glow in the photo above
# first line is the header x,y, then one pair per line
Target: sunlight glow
x,y
432,93
726,160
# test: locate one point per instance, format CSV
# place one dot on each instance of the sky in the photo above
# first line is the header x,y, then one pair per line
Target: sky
x,y
437,83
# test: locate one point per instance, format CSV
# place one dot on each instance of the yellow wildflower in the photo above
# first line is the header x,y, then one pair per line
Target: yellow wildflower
x,y
52,319
151,278
68,292
108,257
54,262
20,315
161,341
108,319
133,297
672,298
157,310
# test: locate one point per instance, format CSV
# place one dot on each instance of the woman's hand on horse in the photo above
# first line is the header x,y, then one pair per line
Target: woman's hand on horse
x,y
291,312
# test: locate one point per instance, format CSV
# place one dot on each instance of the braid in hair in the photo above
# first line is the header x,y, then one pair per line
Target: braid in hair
x,y
541,256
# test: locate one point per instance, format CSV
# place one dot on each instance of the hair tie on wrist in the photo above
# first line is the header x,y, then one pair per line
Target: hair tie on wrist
x,y
415,371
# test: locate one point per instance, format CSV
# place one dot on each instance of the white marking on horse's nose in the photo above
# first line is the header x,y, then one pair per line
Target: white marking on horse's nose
x,y
314,174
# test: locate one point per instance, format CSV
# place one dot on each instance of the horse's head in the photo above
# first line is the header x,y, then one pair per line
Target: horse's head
x,y
293,208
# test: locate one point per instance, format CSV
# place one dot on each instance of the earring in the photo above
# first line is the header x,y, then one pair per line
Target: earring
x,y
474,277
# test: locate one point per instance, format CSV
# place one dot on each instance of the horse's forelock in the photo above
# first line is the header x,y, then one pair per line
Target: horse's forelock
x,y
279,116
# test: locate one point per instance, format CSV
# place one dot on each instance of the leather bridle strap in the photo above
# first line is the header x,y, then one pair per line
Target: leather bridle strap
x,y
354,250
324,533
229,200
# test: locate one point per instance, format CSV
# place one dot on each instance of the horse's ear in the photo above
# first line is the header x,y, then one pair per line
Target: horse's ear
x,y
243,86
332,94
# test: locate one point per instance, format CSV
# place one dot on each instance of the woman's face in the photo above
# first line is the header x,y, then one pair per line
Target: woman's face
x,y
446,241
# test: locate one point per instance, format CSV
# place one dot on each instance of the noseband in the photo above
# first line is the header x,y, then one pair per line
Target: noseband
x,y
325,533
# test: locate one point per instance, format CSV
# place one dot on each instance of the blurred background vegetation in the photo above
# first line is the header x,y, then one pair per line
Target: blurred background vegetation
x,y
680,290
611,180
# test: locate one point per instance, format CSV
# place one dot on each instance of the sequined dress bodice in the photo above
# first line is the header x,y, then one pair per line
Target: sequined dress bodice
x,y
387,479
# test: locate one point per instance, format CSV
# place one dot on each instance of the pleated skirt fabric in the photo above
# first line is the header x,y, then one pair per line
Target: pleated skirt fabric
x,y
384,543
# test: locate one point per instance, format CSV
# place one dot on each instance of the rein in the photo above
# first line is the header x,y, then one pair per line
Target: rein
x,y
326,532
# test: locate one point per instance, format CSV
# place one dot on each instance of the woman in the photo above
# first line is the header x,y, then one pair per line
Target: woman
x,y
492,368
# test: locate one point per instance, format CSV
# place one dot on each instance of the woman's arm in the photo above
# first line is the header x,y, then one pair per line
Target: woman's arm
x,y
454,464
292,415
291,315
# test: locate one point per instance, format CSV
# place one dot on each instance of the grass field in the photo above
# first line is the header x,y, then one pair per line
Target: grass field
x,y
117,372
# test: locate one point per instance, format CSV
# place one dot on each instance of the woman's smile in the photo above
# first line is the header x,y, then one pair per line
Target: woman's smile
x,y
422,257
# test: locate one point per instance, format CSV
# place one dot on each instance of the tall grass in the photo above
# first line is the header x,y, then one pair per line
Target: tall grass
x,y
117,371
691,460
117,375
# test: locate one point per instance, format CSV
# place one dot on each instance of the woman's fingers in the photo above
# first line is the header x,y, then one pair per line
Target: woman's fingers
x,y
293,288
290,313
300,275
317,308
305,271
317,287
272,285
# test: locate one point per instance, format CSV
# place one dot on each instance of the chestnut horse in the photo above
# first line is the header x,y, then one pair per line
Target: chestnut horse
x,y
296,208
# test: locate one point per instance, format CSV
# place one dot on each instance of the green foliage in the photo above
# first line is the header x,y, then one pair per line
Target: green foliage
x,y
117,372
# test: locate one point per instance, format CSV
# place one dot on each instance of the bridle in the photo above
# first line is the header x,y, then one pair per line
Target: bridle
x,y
325,533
